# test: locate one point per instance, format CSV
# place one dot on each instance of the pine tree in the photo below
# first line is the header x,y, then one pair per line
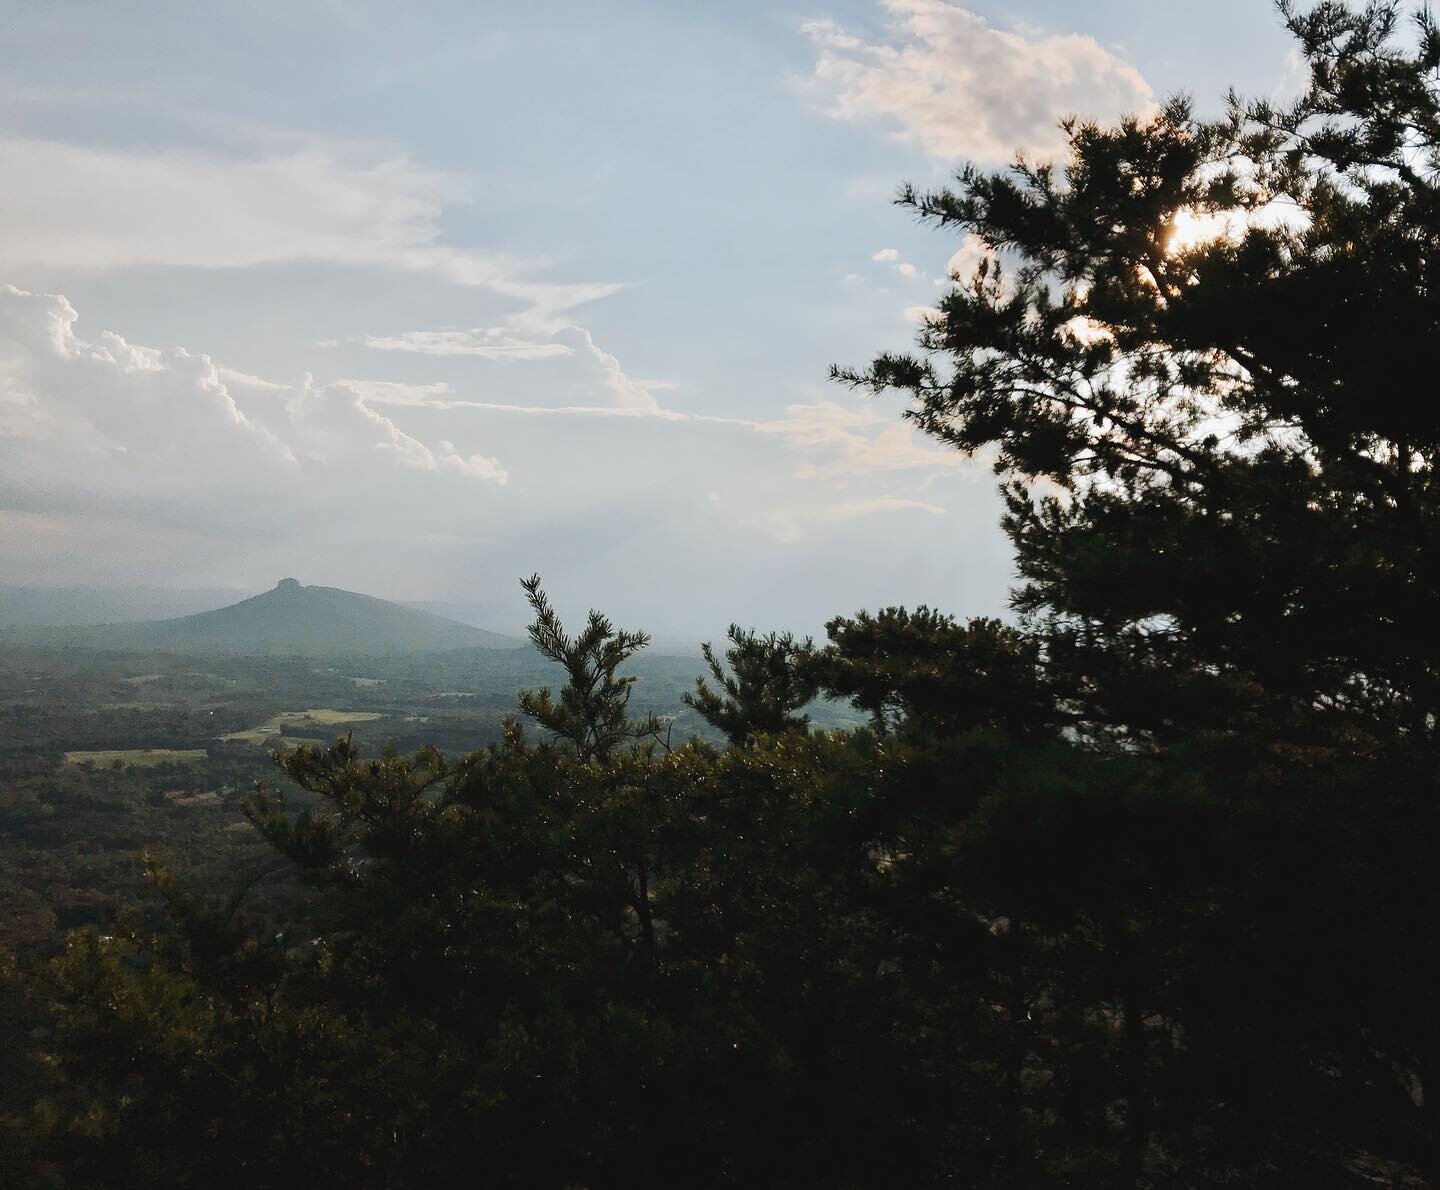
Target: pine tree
x,y
924,671
1222,492
592,711
767,683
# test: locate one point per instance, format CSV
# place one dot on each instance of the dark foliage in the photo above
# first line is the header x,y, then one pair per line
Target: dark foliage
x,y
768,683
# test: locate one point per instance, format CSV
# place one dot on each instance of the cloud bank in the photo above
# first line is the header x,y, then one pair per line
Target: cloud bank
x,y
101,422
165,459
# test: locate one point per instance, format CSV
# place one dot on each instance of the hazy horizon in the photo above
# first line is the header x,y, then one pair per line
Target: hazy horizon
x,y
417,307
27,606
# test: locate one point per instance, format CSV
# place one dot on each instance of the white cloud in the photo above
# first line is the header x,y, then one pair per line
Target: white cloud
x,y
1087,330
398,392
838,442
334,426
121,461
107,398
94,209
85,420
1190,228
188,454
629,395
959,87
628,392
71,208
485,342
234,379
925,315
846,442
889,504
891,257
966,259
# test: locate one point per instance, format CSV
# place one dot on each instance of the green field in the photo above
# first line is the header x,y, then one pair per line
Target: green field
x,y
315,717
328,717
139,757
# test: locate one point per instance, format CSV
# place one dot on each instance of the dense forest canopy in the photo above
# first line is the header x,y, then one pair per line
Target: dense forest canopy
x,y
1134,892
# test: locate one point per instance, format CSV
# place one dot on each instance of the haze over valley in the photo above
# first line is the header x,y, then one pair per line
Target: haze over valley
x,y
290,620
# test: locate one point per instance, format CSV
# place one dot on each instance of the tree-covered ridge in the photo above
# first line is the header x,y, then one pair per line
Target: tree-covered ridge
x,y
1133,893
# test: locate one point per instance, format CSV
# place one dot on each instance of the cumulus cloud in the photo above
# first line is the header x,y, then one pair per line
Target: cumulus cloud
x,y
334,425
966,259
109,399
957,86
118,459
102,419
628,393
891,257
319,204
179,450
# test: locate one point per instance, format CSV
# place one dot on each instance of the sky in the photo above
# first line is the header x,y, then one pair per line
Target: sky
x,y
419,299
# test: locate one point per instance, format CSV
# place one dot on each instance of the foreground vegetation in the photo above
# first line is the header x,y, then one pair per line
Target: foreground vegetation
x,y
103,755
1136,894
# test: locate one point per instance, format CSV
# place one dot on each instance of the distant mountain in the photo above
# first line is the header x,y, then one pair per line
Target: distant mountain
x,y
24,606
290,620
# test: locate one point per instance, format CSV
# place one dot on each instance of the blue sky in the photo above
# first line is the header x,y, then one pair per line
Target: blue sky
x,y
417,299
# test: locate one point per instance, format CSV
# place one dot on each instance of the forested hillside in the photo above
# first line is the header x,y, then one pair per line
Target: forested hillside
x,y
1135,890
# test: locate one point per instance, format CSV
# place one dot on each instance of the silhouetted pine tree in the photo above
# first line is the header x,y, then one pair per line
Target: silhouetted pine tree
x,y
1220,461
767,682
